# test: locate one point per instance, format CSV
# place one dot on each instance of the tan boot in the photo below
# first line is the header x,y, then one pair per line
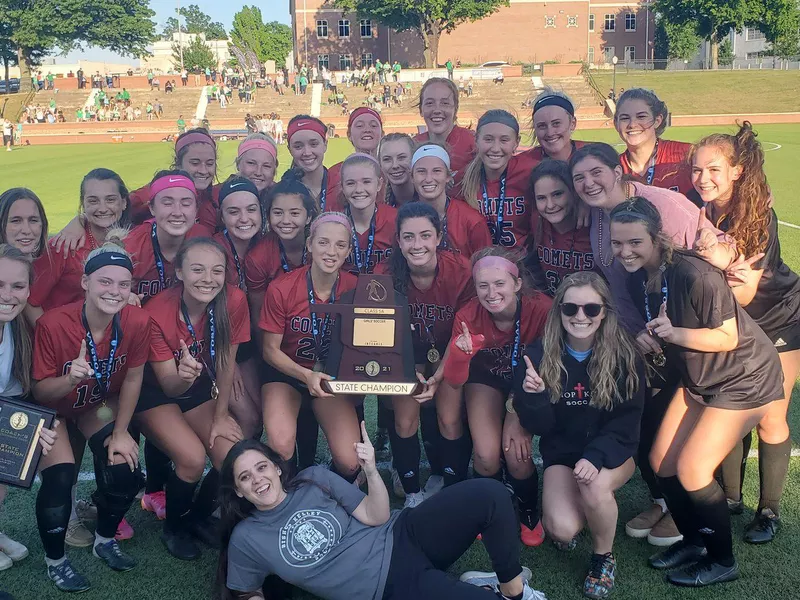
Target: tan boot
x,y
639,526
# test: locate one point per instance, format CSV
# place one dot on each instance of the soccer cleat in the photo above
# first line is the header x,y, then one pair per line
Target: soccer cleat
x,y
677,555
180,545
702,573
66,579
600,580
124,531
414,499
205,530
397,485
5,562
78,536
640,525
735,507
665,533
156,503
488,579
532,537
566,546
113,556
434,484
12,549
761,530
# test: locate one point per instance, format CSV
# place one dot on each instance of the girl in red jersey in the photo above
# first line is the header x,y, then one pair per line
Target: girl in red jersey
x,y
437,284
489,336
562,247
88,362
394,154
198,327
641,119
295,346
307,139
373,223
464,230
438,105
23,222
554,123
103,205
728,174
257,160
496,181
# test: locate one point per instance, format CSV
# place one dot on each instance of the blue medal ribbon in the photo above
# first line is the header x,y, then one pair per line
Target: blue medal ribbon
x,y
318,332
443,243
517,335
363,268
497,233
103,378
285,261
158,256
212,339
239,270
323,192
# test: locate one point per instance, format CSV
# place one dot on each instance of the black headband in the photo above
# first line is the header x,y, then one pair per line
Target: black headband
x,y
240,184
554,101
105,259
502,117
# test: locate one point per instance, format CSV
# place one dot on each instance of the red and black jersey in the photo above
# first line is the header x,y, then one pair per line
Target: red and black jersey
x,y
207,206
234,274
460,146
263,263
169,328
139,245
432,311
57,276
514,229
59,333
467,231
495,357
385,220
286,311
537,153
672,169
559,254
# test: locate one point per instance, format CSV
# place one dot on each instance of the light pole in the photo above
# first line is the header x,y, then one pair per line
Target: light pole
x,y
614,61
180,33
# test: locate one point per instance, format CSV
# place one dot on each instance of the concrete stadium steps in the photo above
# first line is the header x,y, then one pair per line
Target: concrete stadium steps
x,y
582,94
67,100
183,101
267,101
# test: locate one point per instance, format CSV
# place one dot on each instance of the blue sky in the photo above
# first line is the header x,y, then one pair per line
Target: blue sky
x,y
271,10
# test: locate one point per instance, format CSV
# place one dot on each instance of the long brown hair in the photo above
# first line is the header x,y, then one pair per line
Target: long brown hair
x,y
23,345
749,209
614,354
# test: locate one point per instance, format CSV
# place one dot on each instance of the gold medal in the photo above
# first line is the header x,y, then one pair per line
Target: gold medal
x,y
214,391
659,359
319,366
433,355
104,412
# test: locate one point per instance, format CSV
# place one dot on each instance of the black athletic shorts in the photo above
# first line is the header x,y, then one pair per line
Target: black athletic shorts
x,y
486,378
152,396
269,374
246,351
786,340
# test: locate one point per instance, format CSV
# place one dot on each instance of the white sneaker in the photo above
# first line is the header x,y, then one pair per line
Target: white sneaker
x,y
434,484
13,550
414,499
397,485
5,562
489,578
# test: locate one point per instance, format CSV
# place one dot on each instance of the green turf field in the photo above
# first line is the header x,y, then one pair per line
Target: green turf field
x,y
768,573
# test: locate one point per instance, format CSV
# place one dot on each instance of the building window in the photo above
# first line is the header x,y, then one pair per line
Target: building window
x,y
609,52
630,22
630,54
366,60
753,33
590,57
591,22
366,28
323,62
572,21
322,29
344,28
610,23
549,22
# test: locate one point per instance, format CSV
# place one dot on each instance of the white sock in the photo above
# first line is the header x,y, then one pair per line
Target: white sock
x,y
100,540
54,562
662,503
73,516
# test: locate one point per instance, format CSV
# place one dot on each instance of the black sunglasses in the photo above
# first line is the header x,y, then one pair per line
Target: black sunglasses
x,y
591,310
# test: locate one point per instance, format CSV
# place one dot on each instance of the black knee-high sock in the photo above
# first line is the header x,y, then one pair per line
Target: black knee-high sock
x,y
406,453
53,505
526,492
179,501
385,416
158,468
206,500
681,508
431,438
307,437
773,464
360,412
496,476
732,469
714,521
455,459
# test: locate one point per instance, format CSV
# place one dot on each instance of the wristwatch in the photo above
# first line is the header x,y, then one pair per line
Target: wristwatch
x,y
510,404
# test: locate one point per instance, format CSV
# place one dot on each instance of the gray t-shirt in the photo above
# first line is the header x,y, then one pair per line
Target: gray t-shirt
x,y
311,540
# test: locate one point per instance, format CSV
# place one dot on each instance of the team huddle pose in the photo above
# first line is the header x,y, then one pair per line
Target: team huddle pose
x,y
629,309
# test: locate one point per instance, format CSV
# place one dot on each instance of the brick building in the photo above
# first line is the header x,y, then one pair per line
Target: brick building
x,y
526,31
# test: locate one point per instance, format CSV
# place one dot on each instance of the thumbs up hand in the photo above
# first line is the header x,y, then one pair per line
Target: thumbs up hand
x,y
533,384
189,369
80,369
661,326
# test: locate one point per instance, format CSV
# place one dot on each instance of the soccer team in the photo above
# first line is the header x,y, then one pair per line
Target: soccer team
x,y
630,309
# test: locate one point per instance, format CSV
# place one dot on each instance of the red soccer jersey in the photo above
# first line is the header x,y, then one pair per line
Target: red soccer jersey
x,y
385,220
672,169
515,228
537,154
59,333
232,271
495,357
432,311
263,263
286,311
57,277
467,231
139,245
207,206
560,254
169,329
460,146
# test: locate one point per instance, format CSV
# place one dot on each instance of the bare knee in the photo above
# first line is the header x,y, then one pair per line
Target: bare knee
x,y
189,466
773,427
486,460
561,526
594,495
282,439
693,474
406,423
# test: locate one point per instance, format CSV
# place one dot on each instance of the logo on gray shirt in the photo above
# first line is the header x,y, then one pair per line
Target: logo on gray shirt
x,y
308,536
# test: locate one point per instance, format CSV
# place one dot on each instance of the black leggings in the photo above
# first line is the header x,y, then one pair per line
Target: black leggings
x,y
432,536
654,409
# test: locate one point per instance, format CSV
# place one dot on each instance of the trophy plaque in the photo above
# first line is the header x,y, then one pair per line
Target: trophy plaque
x,y
371,350
20,427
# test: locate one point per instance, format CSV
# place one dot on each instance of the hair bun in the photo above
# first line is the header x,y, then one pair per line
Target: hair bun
x,y
115,237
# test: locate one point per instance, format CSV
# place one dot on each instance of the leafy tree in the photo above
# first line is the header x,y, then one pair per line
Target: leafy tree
x,y
37,27
683,41
270,41
726,53
780,23
195,21
431,18
196,52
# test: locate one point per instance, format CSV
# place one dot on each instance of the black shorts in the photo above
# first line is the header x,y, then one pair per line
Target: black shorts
x,y
564,460
246,351
421,352
152,396
486,378
269,374
786,340
8,139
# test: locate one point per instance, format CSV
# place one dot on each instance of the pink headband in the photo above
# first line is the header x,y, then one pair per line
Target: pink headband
x,y
171,181
258,145
193,138
364,155
306,125
495,262
363,110
330,217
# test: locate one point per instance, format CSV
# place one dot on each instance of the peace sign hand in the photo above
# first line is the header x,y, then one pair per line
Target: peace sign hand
x,y
705,240
80,369
738,272
189,369
661,326
533,384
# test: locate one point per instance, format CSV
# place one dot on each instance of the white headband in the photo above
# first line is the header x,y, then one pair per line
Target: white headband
x,y
431,150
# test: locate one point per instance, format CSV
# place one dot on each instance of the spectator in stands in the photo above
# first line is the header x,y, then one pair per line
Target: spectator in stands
x,y
149,110
500,79
51,81
303,84
168,87
462,87
396,71
129,113
208,76
184,77
280,84
137,113
250,124
159,109
470,85
156,83
449,66
109,81
150,78
223,98
81,80
181,125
